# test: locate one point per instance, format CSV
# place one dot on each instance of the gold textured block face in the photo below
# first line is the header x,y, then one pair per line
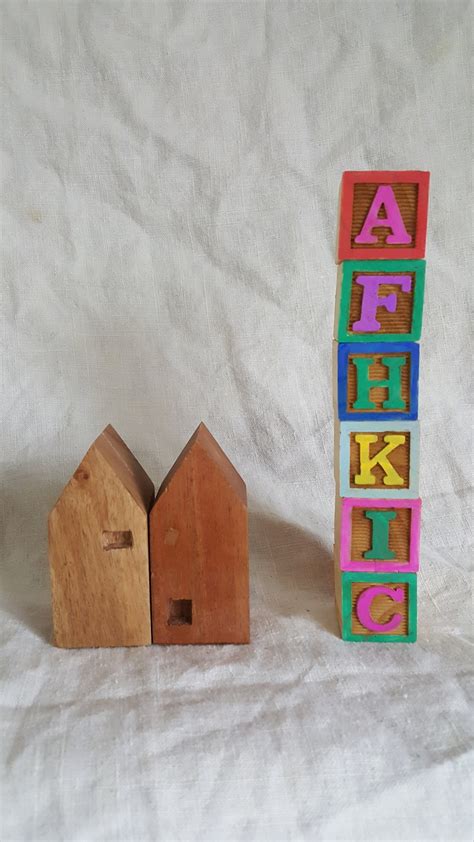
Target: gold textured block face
x,y
379,370
382,608
363,528
380,301
399,319
378,536
378,459
377,382
378,607
371,454
406,198
383,215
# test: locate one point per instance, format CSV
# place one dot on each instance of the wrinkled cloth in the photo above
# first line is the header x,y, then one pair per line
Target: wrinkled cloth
x,y
170,191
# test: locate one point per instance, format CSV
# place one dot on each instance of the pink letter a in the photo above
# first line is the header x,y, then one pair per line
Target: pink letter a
x,y
392,219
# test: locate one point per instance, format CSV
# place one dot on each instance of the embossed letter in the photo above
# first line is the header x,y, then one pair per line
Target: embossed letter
x,y
371,299
365,601
393,219
367,463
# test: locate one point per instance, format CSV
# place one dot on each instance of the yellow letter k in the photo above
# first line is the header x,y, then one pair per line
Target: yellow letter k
x,y
365,477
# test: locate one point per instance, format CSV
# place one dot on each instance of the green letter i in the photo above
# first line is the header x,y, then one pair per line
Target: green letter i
x,y
380,528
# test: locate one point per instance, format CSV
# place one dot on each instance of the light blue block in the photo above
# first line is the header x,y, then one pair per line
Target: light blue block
x,y
388,493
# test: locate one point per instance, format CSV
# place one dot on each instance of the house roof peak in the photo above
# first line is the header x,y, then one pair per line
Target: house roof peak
x,y
204,439
124,464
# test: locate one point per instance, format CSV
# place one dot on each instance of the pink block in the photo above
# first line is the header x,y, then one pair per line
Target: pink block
x,y
373,565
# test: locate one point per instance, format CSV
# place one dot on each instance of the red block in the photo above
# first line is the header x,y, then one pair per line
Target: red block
x,y
383,215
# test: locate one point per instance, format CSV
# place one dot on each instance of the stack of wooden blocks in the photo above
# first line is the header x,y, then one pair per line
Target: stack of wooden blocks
x,y
381,243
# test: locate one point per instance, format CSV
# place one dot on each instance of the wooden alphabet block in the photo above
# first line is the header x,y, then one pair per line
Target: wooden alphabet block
x,y
378,536
380,300
383,215
98,550
377,607
199,549
378,458
377,382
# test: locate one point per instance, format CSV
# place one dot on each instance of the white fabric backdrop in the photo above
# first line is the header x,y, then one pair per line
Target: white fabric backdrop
x,y
170,184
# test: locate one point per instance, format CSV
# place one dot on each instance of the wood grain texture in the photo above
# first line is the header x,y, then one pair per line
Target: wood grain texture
x,y
404,323
354,535
357,192
199,549
399,458
399,534
382,608
349,587
400,321
407,201
378,371
98,550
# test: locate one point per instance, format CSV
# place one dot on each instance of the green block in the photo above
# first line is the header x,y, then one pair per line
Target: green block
x,y
377,579
377,267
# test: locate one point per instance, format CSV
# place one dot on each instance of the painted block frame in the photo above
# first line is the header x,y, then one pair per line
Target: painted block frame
x,y
345,349
374,267
383,566
378,637
349,179
348,427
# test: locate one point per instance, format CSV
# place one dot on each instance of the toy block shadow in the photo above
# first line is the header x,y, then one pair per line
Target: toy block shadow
x,y
291,573
24,576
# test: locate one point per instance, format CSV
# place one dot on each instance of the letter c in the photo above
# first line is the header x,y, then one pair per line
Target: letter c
x,y
364,604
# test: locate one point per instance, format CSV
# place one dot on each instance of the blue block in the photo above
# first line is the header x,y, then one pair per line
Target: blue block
x,y
348,354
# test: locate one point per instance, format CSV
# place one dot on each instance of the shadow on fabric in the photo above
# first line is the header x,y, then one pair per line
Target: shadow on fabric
x,y
291,572
290,568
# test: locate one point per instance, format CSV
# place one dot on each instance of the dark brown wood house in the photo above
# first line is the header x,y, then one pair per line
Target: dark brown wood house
x,y
199,549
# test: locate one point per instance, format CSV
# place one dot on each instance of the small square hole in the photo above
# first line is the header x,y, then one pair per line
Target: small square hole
x,y
117,540
180,612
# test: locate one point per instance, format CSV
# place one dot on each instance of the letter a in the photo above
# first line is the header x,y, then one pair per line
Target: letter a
x,y
393,219
367,463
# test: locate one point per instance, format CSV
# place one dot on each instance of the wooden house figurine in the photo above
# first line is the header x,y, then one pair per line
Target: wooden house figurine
x,y
199,549
98,550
